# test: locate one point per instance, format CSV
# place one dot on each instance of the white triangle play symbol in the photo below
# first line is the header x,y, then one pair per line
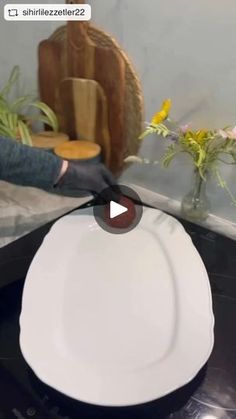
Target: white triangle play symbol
x,y
116,209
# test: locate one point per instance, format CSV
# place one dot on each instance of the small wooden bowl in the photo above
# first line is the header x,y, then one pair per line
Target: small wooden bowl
x,y
79,151
48,139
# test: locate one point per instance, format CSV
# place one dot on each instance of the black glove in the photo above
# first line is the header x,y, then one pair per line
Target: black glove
x,y
81,179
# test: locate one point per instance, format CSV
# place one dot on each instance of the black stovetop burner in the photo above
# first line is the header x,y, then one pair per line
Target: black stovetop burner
x,y
211,395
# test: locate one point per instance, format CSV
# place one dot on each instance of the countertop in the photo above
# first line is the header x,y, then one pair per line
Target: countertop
x,y
217,224
24,209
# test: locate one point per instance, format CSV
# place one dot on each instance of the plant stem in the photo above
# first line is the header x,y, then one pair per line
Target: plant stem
x,y
197,189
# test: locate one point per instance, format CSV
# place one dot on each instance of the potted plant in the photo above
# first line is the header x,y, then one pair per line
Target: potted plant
x,y
16,121
205,147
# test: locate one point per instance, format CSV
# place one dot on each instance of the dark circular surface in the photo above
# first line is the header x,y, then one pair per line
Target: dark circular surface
x,y
215,398
218,390
125,222
210,395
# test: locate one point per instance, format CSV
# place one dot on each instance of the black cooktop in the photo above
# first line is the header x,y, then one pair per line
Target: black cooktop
x,y
211,395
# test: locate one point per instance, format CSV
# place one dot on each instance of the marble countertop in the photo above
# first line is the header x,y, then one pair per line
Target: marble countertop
x,y
214,223
23,210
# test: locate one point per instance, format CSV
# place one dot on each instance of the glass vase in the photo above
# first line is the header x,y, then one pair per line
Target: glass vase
x,y
196,205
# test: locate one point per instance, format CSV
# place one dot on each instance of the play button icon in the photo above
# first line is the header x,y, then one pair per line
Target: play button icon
x,y
118,209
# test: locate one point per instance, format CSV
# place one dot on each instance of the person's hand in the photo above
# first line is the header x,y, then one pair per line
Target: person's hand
x,y
80,179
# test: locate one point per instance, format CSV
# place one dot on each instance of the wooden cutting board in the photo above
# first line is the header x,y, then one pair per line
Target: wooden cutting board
x,y
51,71
79,57
84,107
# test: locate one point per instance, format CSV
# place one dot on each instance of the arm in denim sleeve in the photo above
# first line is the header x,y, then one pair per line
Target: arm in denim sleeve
x,y
28,166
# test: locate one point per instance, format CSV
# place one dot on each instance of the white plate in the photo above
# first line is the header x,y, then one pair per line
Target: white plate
x,y
116,319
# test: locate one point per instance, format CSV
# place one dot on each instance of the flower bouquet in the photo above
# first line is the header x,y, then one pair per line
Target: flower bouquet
x,y
205,147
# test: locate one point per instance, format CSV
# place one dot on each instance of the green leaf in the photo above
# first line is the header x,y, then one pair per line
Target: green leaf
x,y
11,81
9,121
201,157
39,118
3,104
159,129
224,185
3,118
168,159
12,122
169,155
147,132
163,127
6,131
21,102
24,133
52,120
201,172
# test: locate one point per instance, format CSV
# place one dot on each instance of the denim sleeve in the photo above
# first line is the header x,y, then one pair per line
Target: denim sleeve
x,y
28,166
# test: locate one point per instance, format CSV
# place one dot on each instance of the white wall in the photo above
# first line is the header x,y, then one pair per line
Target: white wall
x,y
182,49
18,45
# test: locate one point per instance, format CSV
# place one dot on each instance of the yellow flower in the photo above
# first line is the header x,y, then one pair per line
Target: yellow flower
x,y
163,113
201,136
198,136
189,135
